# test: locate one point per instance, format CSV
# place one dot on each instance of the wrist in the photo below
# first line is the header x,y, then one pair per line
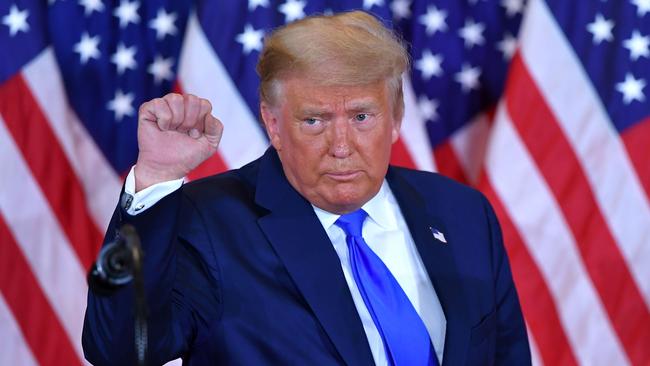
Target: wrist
x,y
146,176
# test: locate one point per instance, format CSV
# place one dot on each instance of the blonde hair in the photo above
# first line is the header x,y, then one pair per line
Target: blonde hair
x,y
351,48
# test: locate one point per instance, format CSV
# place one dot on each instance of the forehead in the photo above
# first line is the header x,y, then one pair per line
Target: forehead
x,y
304,92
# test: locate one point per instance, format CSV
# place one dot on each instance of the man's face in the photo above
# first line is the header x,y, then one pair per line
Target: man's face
x,y
334,141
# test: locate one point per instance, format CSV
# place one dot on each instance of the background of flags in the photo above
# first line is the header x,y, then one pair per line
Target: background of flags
x,y
544,105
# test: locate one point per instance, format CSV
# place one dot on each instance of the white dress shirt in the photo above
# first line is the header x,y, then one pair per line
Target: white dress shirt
x,y
147,197
386,233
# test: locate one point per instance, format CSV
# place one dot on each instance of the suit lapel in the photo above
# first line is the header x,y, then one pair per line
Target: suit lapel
x,y
301,243
439,262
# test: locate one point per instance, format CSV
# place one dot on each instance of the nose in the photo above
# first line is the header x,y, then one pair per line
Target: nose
x,y
340,141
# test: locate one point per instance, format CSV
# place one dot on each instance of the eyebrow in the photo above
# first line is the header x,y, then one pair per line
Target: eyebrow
x,y
353,106
363,105
313,112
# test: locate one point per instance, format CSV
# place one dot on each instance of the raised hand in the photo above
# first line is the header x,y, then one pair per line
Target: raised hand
x,y
176,133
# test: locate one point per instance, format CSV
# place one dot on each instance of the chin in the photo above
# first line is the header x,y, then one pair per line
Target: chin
x,y
348,201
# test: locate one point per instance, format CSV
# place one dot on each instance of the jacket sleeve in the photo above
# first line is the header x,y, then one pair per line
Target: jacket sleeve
x,y
512,346
108,331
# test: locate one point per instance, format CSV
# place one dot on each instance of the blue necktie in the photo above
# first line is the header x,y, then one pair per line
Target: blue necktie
x,y
404,335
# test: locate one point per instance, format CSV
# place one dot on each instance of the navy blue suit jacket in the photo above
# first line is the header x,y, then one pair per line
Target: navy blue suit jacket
x,y
239,271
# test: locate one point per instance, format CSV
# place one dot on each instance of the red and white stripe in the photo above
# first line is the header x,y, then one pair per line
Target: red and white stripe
x,y
413,134
469,144
583,121
42,256
13,338
582,214
461,156
97,178
54,206
551,246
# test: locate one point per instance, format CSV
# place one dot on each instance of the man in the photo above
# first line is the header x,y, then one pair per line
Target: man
x,y
317,253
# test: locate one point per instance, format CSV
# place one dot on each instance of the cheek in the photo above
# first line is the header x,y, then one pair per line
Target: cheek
x,y
377,145
305,156
308,148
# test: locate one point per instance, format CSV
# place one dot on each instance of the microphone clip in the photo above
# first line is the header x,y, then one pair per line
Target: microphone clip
x,y
116,263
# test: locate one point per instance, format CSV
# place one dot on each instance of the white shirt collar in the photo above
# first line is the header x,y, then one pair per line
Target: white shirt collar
x,y
378,209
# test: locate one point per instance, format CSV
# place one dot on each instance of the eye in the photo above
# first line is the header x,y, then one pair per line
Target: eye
x,y
312,125
361,117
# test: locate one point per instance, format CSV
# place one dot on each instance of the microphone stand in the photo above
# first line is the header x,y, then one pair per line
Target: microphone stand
x,y
119,262
141,339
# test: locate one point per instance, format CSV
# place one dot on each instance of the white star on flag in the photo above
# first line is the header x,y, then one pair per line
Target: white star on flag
x,y
292,10
472,33
434,20
642,7
16,20
601,29
121,105
161,69
250,39
401,9
367,4
124,58
253,4
91,5
507,46
632,89
429,65
87,47
638,45
163,23
127,12
428,108
468,77
513,7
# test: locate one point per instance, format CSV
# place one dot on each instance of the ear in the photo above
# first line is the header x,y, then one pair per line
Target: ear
x,y
271,123
396,125
397,114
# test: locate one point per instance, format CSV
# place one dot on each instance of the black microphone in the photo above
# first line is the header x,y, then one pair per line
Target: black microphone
x,y
114,266
118,263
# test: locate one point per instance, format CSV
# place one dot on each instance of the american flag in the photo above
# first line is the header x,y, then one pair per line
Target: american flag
x,y
544,105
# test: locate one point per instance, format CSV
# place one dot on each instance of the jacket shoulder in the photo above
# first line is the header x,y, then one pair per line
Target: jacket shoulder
x,y
437,186
236,184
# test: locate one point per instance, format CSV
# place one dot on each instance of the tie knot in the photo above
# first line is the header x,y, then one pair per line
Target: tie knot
x,y
352,222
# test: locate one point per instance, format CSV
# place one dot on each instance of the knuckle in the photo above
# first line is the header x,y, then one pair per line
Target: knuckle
x,y
161,108
174,99
206,105
171,96
157,102
191,98
193,105
150,104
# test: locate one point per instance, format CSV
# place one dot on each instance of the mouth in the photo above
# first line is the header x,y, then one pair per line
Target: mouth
x,y
344,176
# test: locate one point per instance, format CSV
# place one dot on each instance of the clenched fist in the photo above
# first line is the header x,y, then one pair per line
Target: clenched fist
x,y
176,133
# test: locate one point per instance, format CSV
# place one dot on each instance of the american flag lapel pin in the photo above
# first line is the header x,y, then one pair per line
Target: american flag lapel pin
x,y
438,235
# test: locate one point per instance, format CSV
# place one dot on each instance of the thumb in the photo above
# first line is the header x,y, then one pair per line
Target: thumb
x,y
213,129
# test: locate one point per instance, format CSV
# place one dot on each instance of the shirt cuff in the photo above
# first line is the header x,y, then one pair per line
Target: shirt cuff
x,y
136,203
